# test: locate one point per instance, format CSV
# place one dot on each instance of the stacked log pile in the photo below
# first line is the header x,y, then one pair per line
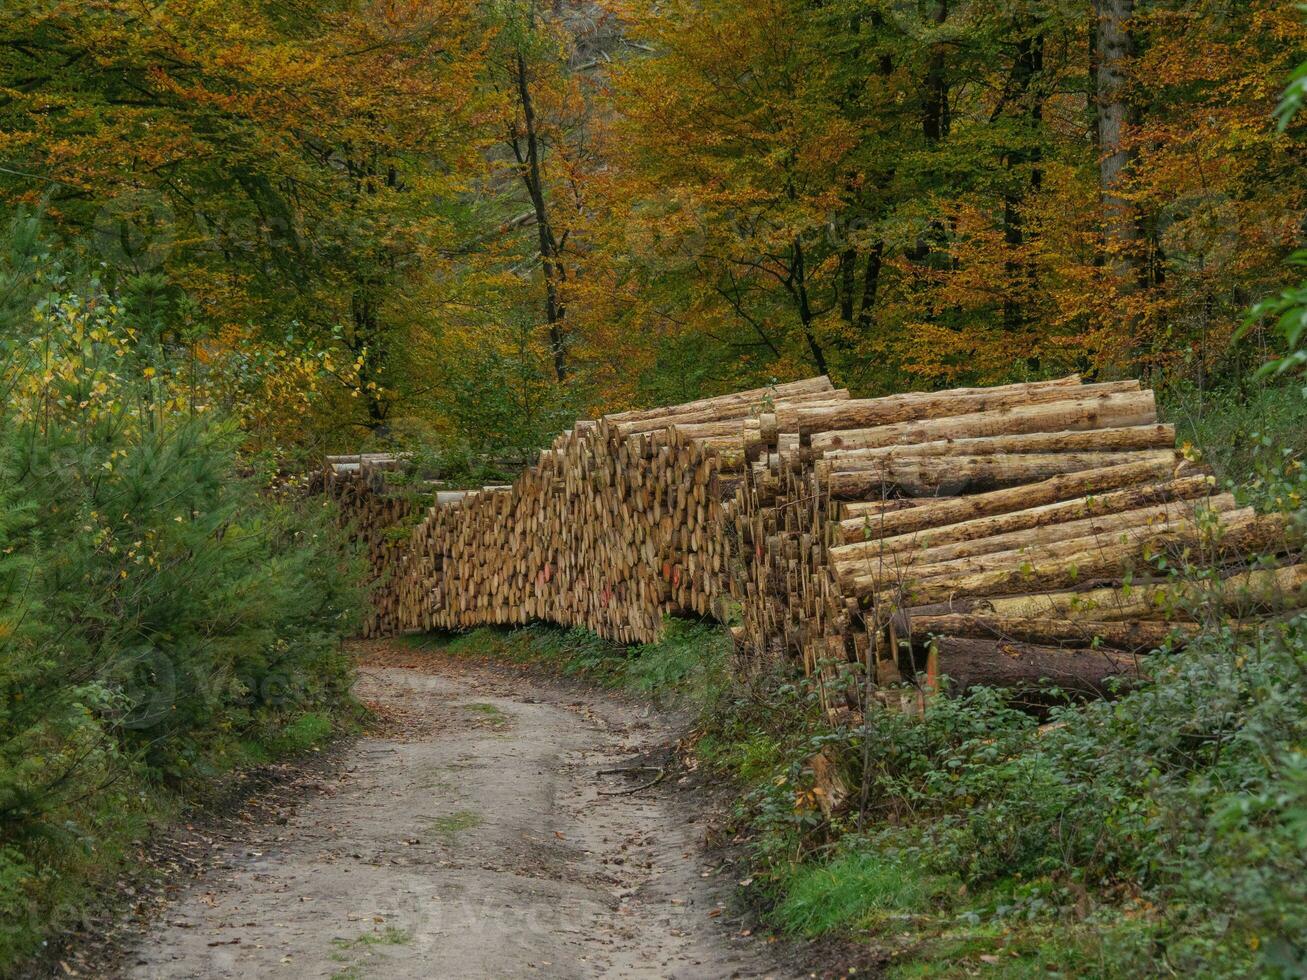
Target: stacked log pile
x,y
620,522
376,515
1011,535
1001,536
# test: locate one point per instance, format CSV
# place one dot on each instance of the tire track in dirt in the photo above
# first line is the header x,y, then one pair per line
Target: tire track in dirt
x,y
473,836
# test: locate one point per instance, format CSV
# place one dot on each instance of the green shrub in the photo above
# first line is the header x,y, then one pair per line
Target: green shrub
x,y
159,613
1186,797
1246,431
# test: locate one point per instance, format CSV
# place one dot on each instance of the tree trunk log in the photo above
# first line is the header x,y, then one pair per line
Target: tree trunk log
x,y
1190,488
954,475
1104,411
1093,440
1242,536
968,663
863,413
1071,487
1139,636
1107,527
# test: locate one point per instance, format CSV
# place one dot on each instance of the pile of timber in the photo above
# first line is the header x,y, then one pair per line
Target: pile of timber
x,y
376,513
1021,535
619,523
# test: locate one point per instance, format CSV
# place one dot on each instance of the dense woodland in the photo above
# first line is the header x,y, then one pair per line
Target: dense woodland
x,y
476,220
240,236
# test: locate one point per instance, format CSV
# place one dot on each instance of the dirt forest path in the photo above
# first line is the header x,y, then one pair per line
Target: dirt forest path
x,y
474,835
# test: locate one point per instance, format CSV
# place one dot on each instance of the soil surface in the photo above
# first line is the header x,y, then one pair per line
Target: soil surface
x,y
496,824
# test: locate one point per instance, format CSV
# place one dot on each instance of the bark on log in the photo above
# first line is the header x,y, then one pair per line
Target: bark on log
x,y
1250,535
954,475
867,556
792,418
729,408
969,662
1091,440
1138,636
1098,412
747,399
1242,595
1191,488
1091,549
940,513
865,413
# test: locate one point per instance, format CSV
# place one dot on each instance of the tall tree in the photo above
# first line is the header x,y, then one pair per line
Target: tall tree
x,y
738,140
1113,50
541,61
1025,95
522,33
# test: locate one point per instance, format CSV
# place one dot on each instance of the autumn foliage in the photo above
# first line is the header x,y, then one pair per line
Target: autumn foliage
x,y
463,222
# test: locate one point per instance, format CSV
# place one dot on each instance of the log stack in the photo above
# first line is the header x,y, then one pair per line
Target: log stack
x,y
1021,534
619,523
376,513
998,536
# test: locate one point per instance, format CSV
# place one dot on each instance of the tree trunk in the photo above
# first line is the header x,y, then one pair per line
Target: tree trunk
x,y
1242,534
550,258
870,286
1026,70
1110,410
1097,539
935,120
952,476
799,272
845,282
365,342
1137,636
1113,49
863,413
863,540
933,514
971,663
1251,592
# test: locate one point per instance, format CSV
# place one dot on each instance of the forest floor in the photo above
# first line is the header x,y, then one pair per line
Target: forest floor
x,y
493,822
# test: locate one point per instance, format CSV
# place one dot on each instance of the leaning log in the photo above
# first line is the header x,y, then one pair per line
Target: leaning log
x,y
1017,547
1245,535
1242,594
1189,488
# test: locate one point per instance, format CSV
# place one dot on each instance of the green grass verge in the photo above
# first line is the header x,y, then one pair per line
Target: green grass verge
x,y
857,889
687,665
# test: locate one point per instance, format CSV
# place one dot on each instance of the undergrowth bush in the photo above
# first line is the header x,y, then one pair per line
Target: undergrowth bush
x,y
1250,431
161,617
1171,821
